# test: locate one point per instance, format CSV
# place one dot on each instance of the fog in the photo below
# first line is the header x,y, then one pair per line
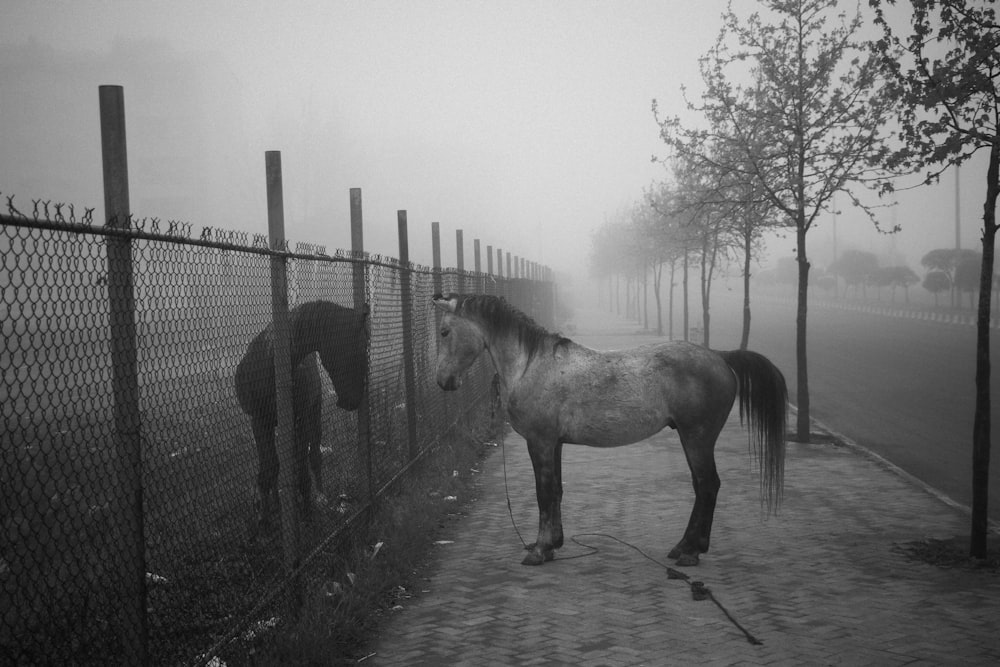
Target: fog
x,y
524,124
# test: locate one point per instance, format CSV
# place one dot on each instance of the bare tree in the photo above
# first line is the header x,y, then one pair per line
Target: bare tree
x,y
605,259
710,227
943,78
660,234
683,233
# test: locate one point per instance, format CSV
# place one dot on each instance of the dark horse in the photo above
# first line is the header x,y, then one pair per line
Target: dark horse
x,y
557,391
339,335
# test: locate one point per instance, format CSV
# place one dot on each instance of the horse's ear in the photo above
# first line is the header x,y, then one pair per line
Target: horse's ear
x,y
446,303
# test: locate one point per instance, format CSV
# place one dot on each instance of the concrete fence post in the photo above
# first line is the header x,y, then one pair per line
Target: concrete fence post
x,y
478,267
460,259
436,250
359,272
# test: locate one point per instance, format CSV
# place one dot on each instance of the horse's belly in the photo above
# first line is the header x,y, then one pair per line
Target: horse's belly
x,y
610,427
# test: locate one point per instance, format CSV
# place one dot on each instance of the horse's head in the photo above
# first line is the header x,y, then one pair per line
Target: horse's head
x,y
459,343
344,355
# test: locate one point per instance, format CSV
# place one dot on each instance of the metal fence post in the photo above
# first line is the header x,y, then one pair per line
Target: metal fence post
x,y
284,437
409,366
125,378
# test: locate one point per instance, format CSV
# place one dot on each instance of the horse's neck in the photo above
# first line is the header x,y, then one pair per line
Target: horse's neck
x,y
306,334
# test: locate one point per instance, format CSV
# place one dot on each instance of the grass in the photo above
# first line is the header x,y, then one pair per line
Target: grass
x,y
361,578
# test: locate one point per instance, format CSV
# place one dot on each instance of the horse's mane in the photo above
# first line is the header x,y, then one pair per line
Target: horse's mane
x,y
506,320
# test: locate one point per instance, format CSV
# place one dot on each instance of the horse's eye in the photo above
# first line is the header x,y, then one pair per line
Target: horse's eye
x,y
444,333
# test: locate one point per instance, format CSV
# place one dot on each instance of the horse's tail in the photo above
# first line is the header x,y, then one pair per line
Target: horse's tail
x,y
763,397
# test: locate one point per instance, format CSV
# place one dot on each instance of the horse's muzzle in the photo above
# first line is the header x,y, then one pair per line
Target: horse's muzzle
x,y
450,383
348,404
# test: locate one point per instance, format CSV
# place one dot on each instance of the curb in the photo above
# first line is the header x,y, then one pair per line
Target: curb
x,y
890,310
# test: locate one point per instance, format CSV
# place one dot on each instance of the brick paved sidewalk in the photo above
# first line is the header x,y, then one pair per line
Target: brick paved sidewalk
x,y
821,583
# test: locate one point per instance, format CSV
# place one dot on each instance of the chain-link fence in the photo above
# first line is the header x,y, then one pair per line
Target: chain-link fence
x,y
100,478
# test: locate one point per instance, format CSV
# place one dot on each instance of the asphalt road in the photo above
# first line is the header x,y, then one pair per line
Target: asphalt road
x,y
903,388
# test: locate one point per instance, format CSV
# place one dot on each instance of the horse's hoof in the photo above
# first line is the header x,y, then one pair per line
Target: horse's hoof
x,y
536,558
674,553
687,560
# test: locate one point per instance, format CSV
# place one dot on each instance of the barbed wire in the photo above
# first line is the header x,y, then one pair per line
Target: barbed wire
x,y
48,213
40,212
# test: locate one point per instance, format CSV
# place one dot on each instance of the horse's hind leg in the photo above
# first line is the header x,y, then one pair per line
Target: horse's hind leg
x,y
546,460
699,448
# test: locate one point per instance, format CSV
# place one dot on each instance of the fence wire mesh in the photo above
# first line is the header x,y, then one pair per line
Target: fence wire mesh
x,y
68,499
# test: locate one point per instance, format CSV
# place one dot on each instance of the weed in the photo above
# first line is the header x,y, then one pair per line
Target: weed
x,y
379,564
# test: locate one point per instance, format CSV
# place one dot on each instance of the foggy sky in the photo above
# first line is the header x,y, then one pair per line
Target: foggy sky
x,y
525,124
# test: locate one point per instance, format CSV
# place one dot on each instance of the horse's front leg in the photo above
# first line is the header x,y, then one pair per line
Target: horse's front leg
x,y
308,458
267,470
303,497
315,454
546,460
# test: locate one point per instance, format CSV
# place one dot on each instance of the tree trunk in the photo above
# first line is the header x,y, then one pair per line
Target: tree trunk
x,y
645,297
981,421
704,284
657,283
673,284
802,424
618,294
710,249
745,336
684,281
628,298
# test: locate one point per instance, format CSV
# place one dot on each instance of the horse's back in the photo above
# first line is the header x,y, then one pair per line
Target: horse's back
x,y
673,363
254,379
